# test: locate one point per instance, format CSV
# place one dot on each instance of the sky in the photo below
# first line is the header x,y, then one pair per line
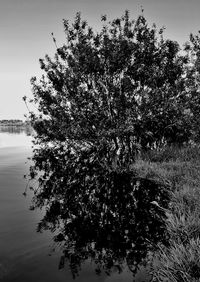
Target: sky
x,y
26,27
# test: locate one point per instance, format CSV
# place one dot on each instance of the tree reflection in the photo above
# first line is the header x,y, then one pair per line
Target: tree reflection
x,y
114,226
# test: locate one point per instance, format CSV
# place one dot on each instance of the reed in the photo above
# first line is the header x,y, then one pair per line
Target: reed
x,y
180,167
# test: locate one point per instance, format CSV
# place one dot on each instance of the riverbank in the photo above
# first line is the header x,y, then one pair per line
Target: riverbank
x,y
180,260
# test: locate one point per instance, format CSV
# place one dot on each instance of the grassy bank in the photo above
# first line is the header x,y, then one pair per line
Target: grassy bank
x,y
180,260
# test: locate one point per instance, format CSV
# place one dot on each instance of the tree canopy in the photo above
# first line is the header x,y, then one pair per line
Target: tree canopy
x,y
121,85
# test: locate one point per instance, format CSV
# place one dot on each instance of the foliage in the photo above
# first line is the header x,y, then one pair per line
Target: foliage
x,y
191,85
117,89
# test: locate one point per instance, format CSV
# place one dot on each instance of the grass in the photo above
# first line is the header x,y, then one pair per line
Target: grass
x,y
180,168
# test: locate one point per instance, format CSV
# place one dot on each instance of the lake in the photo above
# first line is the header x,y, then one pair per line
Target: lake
x,y
26,255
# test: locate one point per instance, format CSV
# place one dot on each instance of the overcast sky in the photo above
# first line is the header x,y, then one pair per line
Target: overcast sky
x,y
26,25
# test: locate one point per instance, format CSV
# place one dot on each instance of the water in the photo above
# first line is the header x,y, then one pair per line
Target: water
x,y
26,255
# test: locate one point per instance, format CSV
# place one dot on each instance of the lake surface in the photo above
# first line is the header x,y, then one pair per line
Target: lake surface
x,y
26,255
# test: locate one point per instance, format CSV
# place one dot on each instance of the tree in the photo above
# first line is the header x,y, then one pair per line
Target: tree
x,y
101,99
191,89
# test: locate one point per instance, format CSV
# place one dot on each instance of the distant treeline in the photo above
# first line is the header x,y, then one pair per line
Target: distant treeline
x,y
12,122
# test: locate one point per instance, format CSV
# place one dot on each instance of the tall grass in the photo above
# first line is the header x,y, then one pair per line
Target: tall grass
x,y
180,168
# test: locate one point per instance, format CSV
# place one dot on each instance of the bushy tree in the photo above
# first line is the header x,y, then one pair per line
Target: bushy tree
x,y
103,98
119,87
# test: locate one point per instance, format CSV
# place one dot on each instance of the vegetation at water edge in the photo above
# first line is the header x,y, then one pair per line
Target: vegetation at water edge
x,y
115,155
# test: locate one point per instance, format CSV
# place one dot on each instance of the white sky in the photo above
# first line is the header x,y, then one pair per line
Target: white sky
x,y
26,25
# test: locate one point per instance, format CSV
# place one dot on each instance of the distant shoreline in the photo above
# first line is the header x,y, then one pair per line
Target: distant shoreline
x,y
16,126
13,122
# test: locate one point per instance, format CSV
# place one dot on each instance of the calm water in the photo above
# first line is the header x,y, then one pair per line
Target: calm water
x,y
26,255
